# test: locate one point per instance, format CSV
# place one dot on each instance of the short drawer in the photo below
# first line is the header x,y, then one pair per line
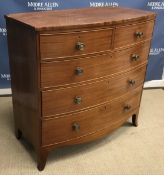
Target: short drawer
x,y
75,43
131,34
66,100
67,127
56,73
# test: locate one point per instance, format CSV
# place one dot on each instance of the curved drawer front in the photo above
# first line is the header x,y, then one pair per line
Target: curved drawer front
x,y
56,130
75,43
131,34
66,100
58,73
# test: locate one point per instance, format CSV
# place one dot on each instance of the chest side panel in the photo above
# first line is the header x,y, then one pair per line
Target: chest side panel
x,y
22,44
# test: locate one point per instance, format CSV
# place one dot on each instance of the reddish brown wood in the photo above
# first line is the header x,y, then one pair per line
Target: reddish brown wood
x,y
43,61
24,81
78,18
90,120
42,155
126,35
93,67
91,94
64,44
94,135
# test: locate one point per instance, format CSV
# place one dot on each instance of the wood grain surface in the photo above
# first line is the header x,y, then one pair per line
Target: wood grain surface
x,y
62,100
25,79
61,45
126,35
57,73
56,130
77,18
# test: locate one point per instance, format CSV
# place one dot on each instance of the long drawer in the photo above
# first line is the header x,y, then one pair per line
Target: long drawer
x,y
56,73
66,100
64,128
75,43
131,34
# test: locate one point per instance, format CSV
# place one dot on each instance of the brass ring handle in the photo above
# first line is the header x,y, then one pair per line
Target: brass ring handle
x,y
80,46
127,108
131,82
76,127
139,34
135,57
77,100
79,71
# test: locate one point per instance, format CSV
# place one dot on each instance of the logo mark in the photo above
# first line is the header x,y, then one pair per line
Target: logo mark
x,y
6,76
42,5
3,31
156,51
104,4
156,5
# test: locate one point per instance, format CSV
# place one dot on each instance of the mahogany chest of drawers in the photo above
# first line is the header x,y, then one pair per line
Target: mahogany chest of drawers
x,y
76,75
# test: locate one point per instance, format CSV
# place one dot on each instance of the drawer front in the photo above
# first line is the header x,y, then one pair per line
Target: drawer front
x,y
77,43
67,127
127,35
58,73
66,100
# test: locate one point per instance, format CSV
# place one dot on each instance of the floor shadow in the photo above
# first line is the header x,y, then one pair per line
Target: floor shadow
x,y
29,148
127,124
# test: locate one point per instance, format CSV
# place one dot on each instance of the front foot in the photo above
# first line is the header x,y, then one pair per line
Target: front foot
x,y
42,158
135,120
18,134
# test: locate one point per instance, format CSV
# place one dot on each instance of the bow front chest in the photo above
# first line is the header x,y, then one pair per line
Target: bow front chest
x,y
76,75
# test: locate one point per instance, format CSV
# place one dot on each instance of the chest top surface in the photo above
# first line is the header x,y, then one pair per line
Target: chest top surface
x,y
86,17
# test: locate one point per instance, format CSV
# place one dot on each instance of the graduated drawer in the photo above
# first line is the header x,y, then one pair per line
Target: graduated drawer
x,y
56,73
66,100
67,127
75,43
131,34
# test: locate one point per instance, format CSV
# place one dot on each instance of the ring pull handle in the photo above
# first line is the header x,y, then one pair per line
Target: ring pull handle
x,y
131,82
139,34
80,46
135,57
127,107
77,100
79,71
76,127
